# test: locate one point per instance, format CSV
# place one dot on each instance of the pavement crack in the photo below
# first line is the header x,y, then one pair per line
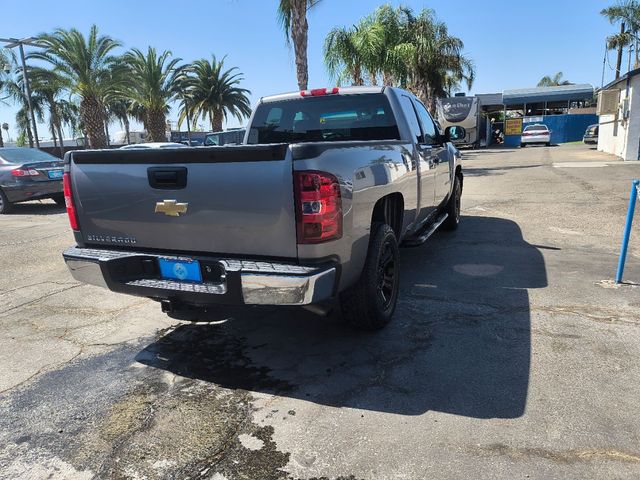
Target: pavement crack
x,y
32,240
35,300
22,287
561,456
45,368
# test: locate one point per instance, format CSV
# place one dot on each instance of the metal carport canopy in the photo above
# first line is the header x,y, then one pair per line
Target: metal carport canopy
x,y
547,94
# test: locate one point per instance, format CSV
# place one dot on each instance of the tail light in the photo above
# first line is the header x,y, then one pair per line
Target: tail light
x,y
318,207
68,200
317,92
25,172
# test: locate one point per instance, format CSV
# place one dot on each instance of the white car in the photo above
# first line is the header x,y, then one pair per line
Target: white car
x,y
536,134
146,146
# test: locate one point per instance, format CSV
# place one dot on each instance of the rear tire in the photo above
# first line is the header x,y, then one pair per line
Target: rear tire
x,y
453,206
370,303
548,144
522,145
59,199
5,205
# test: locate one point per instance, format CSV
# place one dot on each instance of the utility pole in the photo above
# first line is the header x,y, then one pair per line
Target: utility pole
x,y
604,62
14,42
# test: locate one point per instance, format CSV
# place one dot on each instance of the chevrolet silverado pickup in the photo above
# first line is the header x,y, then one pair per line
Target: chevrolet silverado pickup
x,y
310,210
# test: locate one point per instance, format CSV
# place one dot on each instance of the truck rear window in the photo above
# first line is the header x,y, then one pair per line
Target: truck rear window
x,y
323,119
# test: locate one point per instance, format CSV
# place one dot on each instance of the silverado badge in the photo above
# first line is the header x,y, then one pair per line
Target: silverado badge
x,y
171,208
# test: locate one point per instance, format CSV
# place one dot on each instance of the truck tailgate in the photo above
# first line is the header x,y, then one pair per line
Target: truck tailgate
x,y
220,200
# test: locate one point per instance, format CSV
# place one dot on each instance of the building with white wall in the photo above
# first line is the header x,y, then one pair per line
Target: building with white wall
x,y
619,110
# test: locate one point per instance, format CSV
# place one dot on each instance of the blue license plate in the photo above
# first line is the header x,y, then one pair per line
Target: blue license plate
x,y
184,270
55,174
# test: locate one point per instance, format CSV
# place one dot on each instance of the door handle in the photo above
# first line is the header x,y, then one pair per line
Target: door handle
x,y
167,178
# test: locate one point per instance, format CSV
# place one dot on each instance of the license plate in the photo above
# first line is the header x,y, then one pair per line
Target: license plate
x,y
184,270
55,174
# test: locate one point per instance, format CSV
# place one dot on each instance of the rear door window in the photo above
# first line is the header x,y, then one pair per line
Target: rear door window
x,y
323,119
412,117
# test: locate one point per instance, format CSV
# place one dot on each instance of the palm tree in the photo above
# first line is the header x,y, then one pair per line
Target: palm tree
x,y
185,102
69,114
433,59
341,56
554,81
7,59
50,87
355,52
215,93
15,89
152,85
121,109
627,12
88,69
619,42
396,41
292,16
413,52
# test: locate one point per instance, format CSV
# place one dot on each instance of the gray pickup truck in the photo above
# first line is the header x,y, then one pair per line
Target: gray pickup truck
x,y
310,210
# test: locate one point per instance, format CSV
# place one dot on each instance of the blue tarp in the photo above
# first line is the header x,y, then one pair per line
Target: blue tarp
x,y
564,128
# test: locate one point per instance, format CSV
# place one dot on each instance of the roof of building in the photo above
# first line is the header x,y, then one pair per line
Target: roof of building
x,y
490,99
623,78
547,94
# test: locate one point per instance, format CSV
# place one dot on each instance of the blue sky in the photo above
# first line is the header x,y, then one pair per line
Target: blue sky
x,y
513,43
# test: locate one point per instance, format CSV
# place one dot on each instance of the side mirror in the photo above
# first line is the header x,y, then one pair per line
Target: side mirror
x,y
454,133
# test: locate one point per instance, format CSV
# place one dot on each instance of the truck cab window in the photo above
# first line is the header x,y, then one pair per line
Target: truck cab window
x,y
324,119
430,133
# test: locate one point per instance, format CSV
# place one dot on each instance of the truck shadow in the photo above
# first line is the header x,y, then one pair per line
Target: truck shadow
x,y
460,341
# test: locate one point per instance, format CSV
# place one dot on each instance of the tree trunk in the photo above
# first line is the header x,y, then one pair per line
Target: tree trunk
x,y
156,126
357,76
188,126
216,121
52,128
430,103
299,29
92,116
106,132
425,94
29,135
127,131
387,79
373,79
59,128
619,59
1,139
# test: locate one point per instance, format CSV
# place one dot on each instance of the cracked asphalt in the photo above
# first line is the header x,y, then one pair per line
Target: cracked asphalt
x,y
511,355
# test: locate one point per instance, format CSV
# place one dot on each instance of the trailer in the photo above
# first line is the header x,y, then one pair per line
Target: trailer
x,y
464,112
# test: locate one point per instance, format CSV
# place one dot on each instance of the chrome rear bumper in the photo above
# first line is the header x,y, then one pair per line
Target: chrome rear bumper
x,y
238,282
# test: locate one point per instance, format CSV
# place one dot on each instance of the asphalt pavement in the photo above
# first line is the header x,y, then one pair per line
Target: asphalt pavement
x,y
511,355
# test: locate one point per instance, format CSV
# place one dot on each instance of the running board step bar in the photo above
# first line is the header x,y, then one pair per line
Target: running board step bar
x,y
417,241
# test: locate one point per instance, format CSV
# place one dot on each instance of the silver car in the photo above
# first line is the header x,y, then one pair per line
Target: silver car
x,y
536,134
152,145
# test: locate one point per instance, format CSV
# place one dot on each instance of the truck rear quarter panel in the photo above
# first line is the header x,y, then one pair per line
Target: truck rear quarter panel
x,y
366,172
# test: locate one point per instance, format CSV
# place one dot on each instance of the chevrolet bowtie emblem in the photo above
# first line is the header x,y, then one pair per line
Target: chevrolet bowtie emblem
x,y
171,208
